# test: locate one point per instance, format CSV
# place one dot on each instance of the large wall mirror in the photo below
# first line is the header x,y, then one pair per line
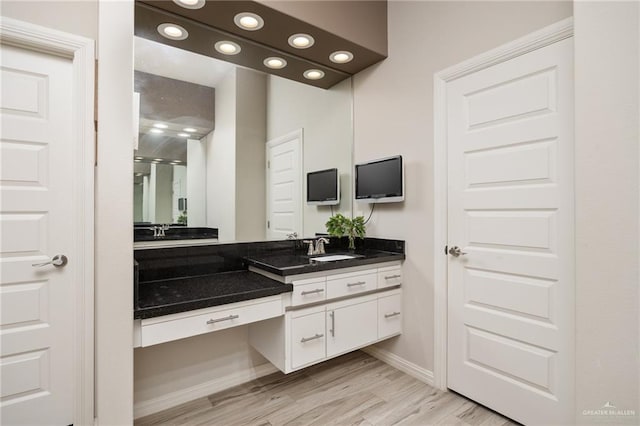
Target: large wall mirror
x,y
226,147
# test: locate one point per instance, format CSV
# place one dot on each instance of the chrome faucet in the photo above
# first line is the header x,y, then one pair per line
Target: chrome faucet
x,y
320,245
318,248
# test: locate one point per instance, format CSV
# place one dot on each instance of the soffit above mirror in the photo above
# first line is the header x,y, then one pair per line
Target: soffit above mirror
x,y
214,22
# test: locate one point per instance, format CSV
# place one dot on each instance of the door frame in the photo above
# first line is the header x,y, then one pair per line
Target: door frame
x,y
536,40
296,134
81,52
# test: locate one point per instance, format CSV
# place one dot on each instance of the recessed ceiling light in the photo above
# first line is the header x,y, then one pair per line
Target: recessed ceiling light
x,y
158,159
154,130
341,57
138,174
248,21
189,129
190,4
184,135
227,47
313,74
301,41
172,31
137,160
275,63
160,125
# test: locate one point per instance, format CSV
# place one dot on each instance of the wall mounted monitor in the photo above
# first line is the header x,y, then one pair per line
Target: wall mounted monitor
x,y
380,181
323,187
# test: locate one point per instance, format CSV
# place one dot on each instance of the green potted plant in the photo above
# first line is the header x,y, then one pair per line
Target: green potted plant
x,y
340,226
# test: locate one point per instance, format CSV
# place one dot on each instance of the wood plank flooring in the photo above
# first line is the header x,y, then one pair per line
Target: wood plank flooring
x,y
354,389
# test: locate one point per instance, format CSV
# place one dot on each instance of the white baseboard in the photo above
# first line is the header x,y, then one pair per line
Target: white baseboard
x,y
169,400
401,364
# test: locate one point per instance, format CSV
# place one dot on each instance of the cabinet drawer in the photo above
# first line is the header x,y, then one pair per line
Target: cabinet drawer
x,y
308,293
349,284
156,331
389,315
388,277
308,338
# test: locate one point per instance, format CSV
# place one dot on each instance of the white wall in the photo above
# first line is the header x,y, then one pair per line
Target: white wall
x,y
325,117
114,216
221,162
197,182
75,17
179,190
164,191
607,55
146,190
393,114
153,192
251,117
137,201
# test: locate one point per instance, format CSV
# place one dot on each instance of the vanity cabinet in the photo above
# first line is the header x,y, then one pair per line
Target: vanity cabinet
x,y
355,309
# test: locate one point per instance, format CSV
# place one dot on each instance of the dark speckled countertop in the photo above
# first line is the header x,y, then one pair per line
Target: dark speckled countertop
x,y
170,296
294,264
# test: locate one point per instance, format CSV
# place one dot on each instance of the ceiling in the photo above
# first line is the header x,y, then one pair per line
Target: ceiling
x,y
171,62
215,22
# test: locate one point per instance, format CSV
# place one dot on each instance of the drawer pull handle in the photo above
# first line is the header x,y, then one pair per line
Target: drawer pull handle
x,y
332,314
229,318
355,284
393,314
317,290
306,339
390,277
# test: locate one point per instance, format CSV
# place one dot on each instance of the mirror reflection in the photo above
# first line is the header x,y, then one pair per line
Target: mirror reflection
x,y
223,151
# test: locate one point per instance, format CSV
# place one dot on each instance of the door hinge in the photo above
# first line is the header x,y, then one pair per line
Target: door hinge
x,y
268,224
268,164
446,250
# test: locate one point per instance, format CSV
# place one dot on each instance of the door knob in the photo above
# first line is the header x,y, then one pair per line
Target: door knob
x,y
455,251
59,260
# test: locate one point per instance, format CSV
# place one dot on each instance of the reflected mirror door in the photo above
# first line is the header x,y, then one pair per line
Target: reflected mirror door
x,y
284,186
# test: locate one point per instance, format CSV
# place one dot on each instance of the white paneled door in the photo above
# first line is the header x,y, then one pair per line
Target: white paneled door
x,y
284,186
511,232
38,375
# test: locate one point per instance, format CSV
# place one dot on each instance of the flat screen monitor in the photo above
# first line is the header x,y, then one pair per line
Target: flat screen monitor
x,y
323,187
380,181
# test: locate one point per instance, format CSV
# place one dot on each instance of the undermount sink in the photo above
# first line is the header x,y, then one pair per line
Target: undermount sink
x,y
332,258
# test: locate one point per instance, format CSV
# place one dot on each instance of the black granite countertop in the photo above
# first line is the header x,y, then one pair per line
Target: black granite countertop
x,y
293,264
170,296
145,233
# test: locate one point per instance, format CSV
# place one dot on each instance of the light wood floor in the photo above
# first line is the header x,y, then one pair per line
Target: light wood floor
x,y
354,389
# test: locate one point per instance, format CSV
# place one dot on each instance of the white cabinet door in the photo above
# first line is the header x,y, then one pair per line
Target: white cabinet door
x,y
307,338
351,325
38,303
511,296
390,315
